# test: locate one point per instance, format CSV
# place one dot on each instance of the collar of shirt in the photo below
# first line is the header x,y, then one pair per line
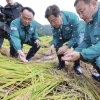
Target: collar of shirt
x,y
95,14
64,19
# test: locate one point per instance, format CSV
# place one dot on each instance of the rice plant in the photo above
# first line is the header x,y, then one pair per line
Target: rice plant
x,y
40,80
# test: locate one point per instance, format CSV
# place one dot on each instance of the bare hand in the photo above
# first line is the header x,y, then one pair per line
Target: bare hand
x,y
38,43
62,50
51,50
71,56
22,56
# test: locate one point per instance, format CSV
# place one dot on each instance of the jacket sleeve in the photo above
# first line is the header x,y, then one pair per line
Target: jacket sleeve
x,y
55,37
85,43
35,34
2,17
14,36
91,52
88,51
76,29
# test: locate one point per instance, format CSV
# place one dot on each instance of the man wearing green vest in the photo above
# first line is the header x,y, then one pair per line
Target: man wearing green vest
x,y
66,27
89,49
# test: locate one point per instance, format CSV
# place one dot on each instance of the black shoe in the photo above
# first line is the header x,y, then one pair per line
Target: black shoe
x,y
96,76
78,70
60,67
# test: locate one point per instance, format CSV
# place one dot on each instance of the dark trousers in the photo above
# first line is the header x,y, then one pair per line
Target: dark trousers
x,y
31,52
60,44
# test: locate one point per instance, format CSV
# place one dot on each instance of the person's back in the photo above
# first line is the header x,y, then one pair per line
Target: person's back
x,y
11,11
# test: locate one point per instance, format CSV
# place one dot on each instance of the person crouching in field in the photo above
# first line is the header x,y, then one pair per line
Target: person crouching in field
x,y
23,31
66,27
89,49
